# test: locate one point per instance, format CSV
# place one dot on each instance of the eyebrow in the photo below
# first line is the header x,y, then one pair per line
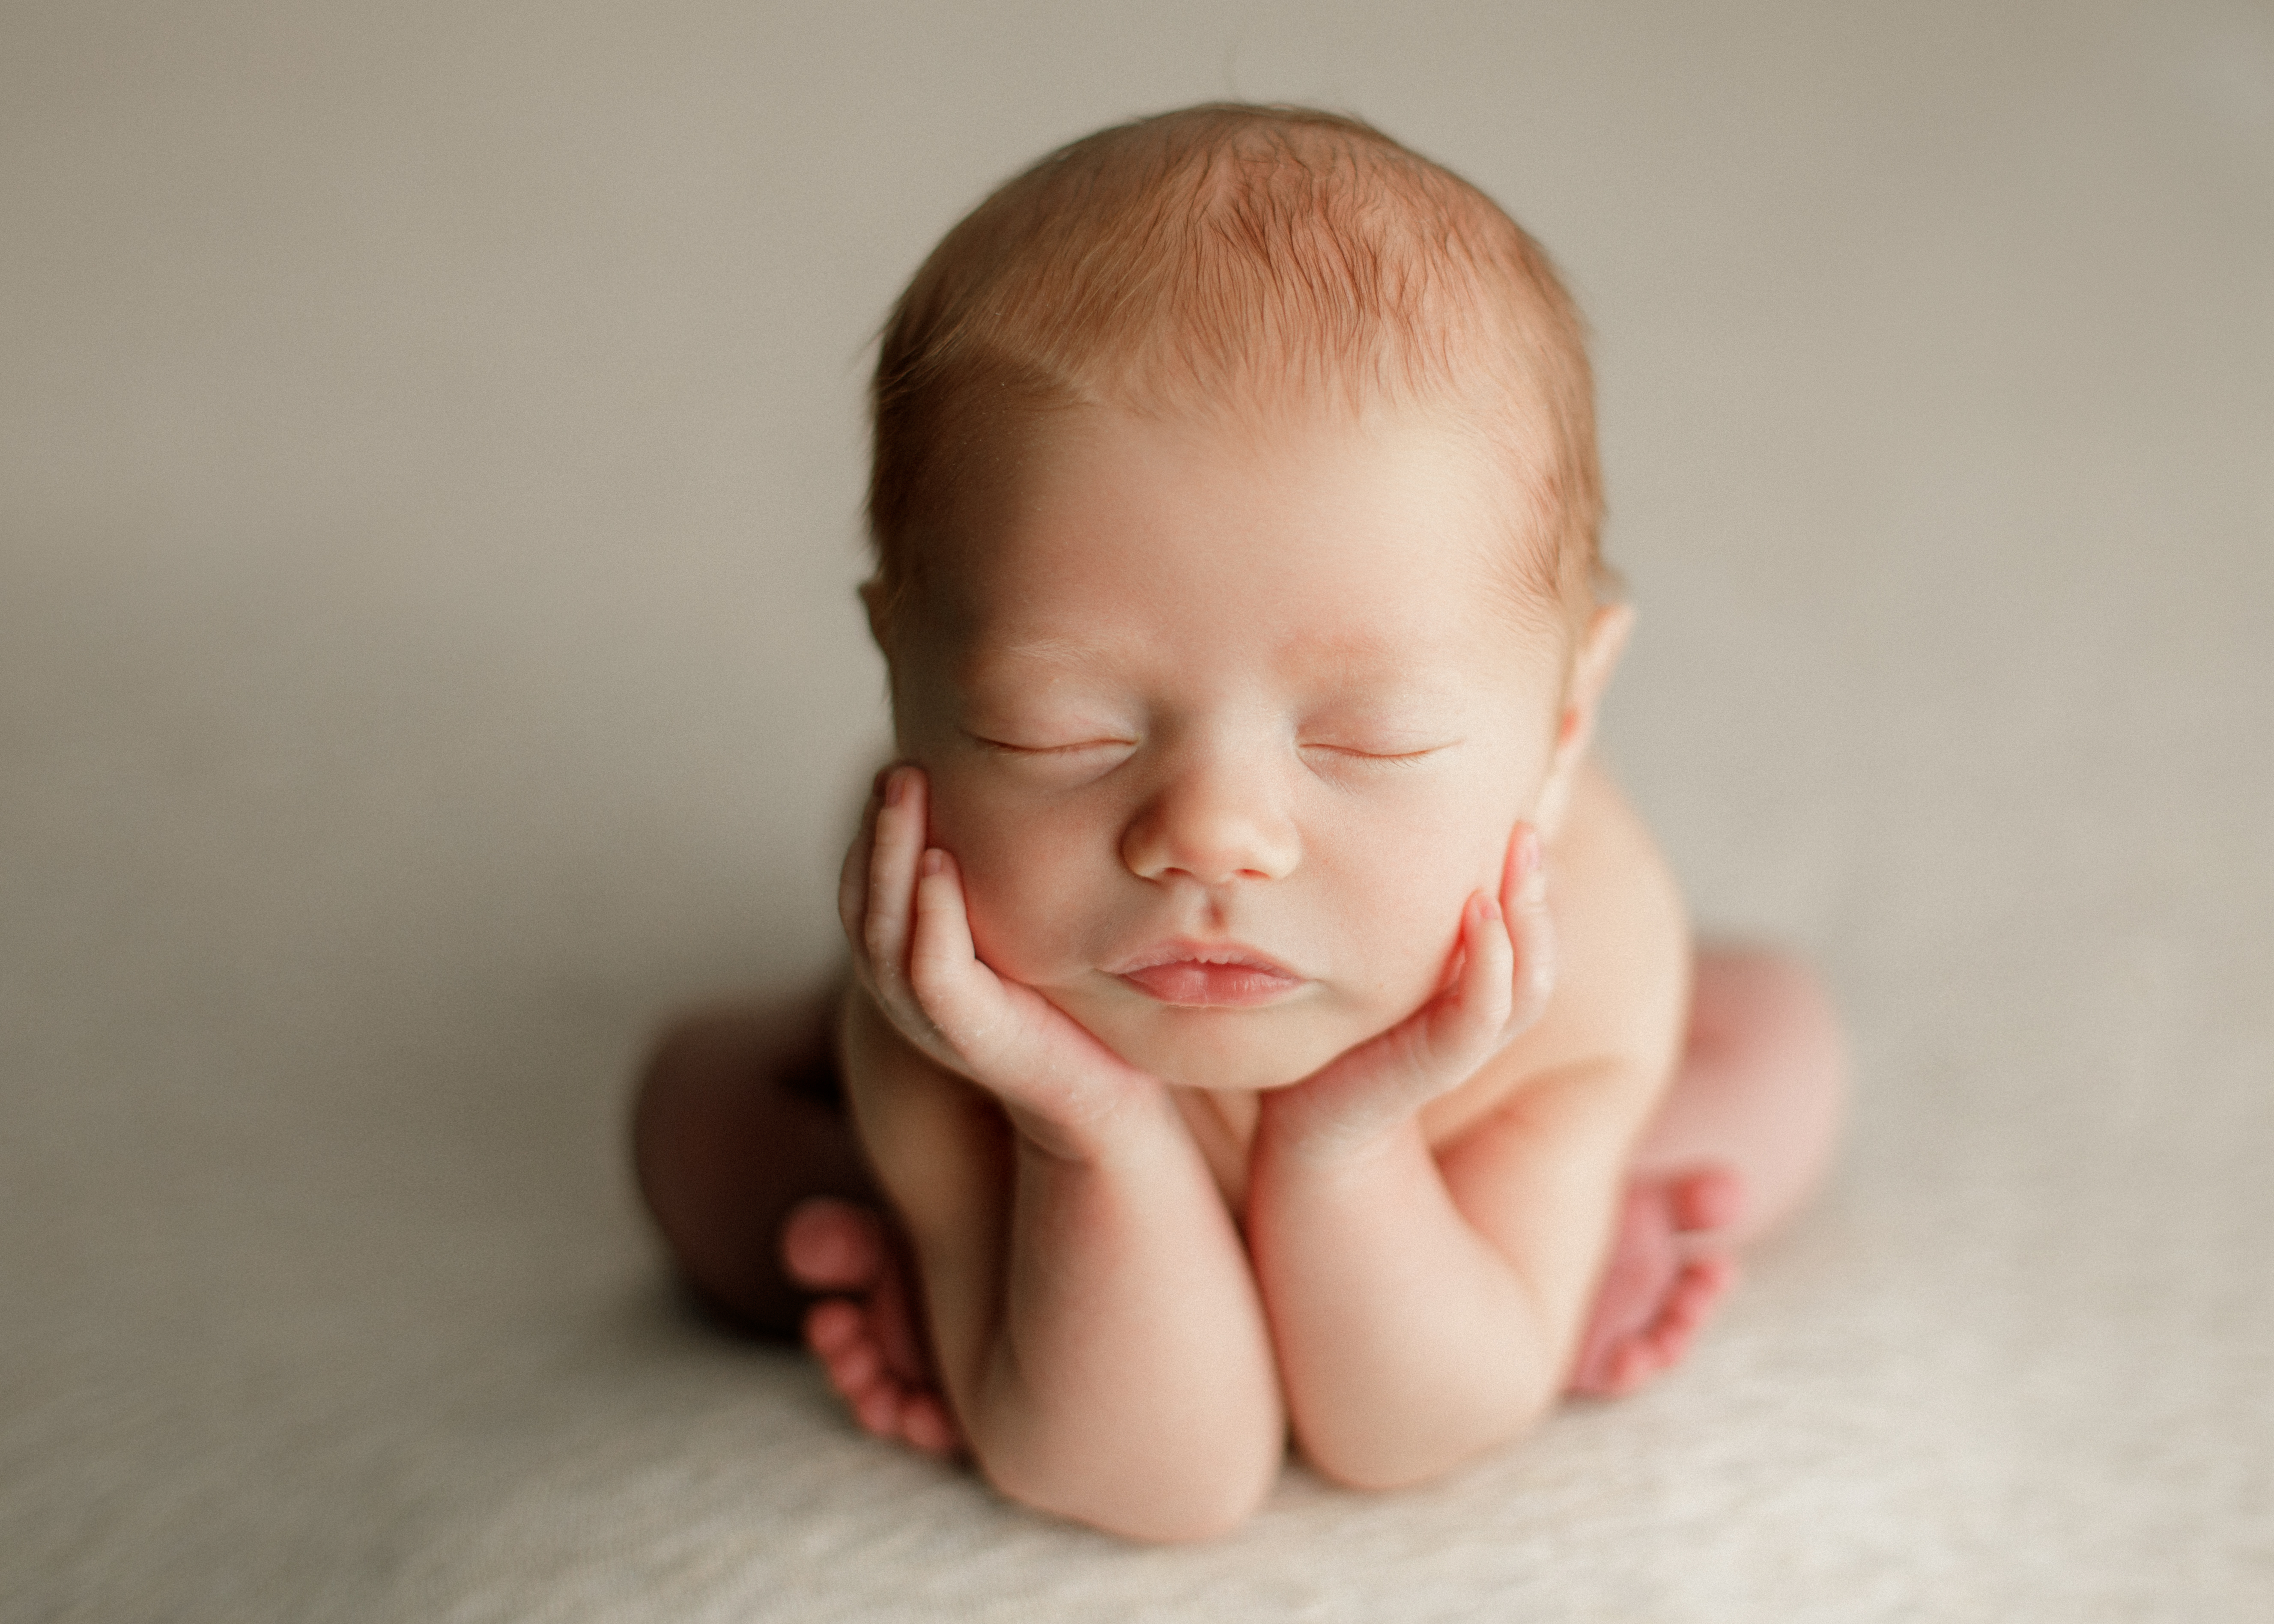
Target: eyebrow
x,y
1376,664
1056,649
1359,646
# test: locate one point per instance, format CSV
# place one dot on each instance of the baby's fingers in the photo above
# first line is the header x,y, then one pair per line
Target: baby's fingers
x,y
958,995
853,876
894,848
1471,1021
1442,1043
1354,1099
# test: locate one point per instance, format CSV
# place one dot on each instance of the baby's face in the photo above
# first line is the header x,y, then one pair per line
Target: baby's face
x,y
1224,730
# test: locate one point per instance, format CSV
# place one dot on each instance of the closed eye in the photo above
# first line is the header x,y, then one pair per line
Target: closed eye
x,y
1385,757
1080,747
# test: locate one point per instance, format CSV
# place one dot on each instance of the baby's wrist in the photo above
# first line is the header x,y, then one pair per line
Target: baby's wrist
x,y
1126,1127
1296,1127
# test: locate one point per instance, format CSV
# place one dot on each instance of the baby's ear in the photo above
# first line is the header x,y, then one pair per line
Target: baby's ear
x,y
872,600
1601,645
1599,648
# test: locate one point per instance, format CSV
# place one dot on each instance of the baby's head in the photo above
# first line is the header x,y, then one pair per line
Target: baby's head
x,y
1235,506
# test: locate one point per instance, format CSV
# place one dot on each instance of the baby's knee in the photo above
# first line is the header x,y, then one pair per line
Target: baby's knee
x,y
1765,1083
730,1128
687,1086
1772,1003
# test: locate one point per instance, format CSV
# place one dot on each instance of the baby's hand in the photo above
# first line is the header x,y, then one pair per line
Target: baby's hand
x,y
1501,970
902,906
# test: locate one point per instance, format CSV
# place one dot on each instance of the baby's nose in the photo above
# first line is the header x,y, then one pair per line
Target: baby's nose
x,y
1213,826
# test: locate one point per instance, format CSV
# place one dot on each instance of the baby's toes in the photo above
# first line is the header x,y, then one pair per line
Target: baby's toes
x,y
1711,1198
1656,1350
1701,1284
924,1424
857,1369
879,1409
1631,1364
1610,1368
833,1245
840,1334
853,1369
833,1326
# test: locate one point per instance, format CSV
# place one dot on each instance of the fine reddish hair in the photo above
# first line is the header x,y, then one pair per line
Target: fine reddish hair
x,y
1231,259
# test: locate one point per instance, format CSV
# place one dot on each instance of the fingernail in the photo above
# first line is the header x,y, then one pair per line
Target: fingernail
x,y
934,859
1491,907
1531,864
896,786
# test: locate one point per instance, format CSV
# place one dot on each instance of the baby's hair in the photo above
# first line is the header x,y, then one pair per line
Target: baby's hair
x,y
1230,258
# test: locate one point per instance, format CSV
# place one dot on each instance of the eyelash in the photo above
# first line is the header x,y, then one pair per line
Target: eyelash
x,y
1403,758
998,746
1123,744
1371,758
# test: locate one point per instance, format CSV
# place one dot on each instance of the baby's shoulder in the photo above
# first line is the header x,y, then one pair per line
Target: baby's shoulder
x,y
1620,922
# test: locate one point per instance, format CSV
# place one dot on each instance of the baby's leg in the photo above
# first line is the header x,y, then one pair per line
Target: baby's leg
x,y
1742,1141
739,1116
754,1173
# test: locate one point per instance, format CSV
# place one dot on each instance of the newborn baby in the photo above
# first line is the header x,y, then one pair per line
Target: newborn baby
x,y
1265,1016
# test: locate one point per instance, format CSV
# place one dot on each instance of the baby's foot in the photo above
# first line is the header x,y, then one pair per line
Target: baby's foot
x,y
867,1338
1661,1282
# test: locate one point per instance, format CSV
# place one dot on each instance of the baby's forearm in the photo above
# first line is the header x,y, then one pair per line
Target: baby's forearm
x,y
1093,1317
1408,1342
1128,1380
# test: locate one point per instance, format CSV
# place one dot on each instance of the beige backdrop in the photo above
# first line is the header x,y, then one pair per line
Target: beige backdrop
x,y
430,447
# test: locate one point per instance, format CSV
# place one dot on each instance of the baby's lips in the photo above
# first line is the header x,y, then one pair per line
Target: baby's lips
x,y
1188,951
1212,973
1188,982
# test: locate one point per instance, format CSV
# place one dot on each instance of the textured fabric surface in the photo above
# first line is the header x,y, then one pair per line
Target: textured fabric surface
x,y
429,453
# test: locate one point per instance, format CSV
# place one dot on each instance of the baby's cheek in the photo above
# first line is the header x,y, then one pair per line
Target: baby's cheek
x,y
1023,901
1405,912
1005,932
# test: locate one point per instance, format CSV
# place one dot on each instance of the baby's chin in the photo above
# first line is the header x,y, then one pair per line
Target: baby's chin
x,y
1230,1051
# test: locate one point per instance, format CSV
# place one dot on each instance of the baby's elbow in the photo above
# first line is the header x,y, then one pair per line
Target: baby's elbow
x,y
1376,1461
1181,1503
1191,1519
